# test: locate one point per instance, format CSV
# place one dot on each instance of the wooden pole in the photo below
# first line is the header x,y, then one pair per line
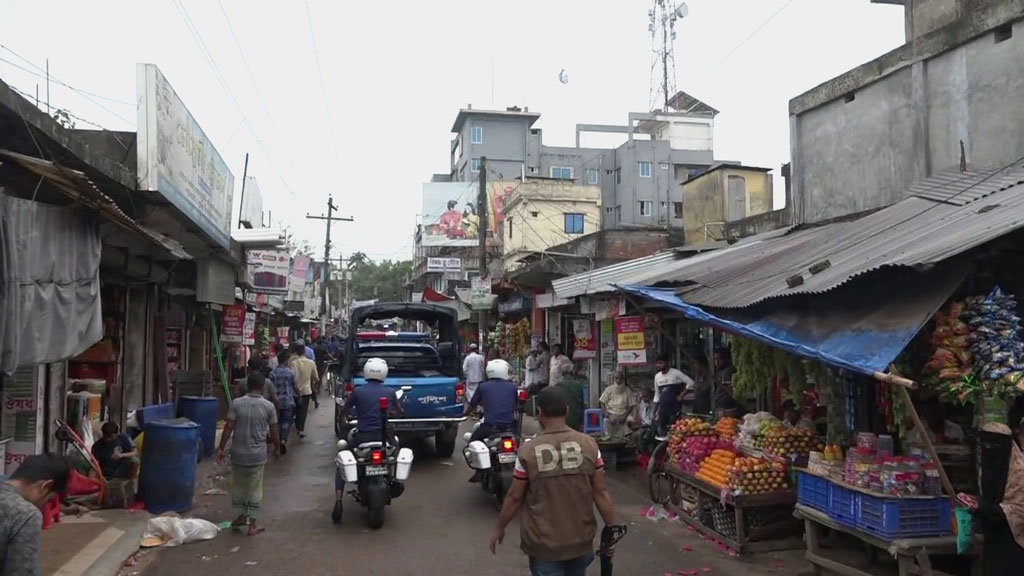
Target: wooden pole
x,y
928,446
894,379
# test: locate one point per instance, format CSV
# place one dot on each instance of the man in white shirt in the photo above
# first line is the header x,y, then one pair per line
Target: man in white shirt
x,y
561,365
669,384
473,370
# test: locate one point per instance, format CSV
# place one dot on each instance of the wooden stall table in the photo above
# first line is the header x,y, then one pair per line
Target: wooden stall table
x,y
771,537
911,554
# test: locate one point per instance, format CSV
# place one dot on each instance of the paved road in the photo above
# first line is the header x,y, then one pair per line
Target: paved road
x,y
441,525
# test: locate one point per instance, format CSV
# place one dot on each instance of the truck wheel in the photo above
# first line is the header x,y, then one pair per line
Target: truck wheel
x,y
444,441
374,518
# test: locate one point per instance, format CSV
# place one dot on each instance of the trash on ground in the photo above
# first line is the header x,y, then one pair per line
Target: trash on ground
x,y
215,492
235,549
131,561
172,531
447,463
658,513
251,563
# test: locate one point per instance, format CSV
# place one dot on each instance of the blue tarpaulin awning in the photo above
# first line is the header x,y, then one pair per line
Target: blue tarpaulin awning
x,y
858,327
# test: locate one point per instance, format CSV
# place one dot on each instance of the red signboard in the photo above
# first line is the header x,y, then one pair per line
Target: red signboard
x,y
584,340
233,324
629,341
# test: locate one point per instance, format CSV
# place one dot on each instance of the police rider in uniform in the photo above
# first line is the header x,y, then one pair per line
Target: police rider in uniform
x,y
499,396
365,401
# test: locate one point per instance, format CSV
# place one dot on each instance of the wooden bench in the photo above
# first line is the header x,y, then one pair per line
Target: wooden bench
x,y
911,554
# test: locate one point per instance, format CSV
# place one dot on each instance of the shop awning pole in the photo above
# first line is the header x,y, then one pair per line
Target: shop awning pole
x,y
894,379
220,358
928,446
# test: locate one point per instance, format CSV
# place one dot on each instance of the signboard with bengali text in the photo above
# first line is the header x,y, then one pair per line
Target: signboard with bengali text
x,y
177,160
630,344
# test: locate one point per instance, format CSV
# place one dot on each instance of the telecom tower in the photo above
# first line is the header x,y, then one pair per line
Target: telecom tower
x,y
663,15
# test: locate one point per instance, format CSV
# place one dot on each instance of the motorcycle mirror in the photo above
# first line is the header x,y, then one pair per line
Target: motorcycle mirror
x,y
342,444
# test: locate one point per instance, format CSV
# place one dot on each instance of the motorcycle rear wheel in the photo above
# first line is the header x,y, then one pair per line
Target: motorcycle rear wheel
x,y
374,518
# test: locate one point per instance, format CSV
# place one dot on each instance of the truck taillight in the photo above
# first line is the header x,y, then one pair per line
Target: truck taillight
x,y
376,457
460,391
349,388
508,445
522,394
382,403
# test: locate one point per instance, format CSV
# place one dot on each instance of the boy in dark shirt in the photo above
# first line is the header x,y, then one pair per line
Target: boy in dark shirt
x,y
115,453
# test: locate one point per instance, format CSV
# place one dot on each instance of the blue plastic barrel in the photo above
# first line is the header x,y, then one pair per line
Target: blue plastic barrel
x,y
152,413
202,410
169,456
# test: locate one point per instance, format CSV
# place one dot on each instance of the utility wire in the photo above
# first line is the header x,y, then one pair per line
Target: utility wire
x,y
323,89
252,78
198,38
740,45
81,93
42,74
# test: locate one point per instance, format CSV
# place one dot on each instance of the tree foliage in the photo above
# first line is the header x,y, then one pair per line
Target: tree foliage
x,y
384,280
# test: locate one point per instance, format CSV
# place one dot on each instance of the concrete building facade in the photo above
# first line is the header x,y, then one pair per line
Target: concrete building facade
x,y
950,94
542,214
639,179
724,194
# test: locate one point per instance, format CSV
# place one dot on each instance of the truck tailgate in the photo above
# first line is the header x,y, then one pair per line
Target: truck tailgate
x,y
430,397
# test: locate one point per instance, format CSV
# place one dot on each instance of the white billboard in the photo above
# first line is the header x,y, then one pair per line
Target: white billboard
x,y
177,160
444,264
251,211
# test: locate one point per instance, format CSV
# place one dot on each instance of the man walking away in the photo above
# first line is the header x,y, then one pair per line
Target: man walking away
x,y
286,383
254,417
559,479
320,355
32,485
473,370
306,375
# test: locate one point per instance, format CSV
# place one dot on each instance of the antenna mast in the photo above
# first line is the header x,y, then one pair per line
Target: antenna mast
x,y
663,15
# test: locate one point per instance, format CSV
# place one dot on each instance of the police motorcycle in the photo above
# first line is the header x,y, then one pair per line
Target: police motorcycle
x,y
494,457
377,468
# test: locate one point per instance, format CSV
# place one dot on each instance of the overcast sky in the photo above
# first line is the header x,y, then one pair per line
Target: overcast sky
x,y
396,73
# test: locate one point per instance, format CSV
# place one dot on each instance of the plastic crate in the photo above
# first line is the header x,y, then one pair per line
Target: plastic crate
x,y
843,505
900,518
813,491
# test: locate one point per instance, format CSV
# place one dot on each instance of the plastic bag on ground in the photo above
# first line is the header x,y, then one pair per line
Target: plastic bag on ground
x,y
171,531
658,513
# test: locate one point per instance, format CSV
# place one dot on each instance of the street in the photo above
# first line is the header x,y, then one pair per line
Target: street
x,y
440,525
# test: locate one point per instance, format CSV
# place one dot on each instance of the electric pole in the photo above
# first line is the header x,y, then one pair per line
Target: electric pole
x,y
325,274
482,211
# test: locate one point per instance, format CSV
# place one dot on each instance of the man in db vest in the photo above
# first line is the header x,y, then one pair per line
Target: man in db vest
x,y
559,479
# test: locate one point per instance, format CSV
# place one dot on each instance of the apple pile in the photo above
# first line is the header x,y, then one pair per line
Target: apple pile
x,y
697,448
757,476
692,427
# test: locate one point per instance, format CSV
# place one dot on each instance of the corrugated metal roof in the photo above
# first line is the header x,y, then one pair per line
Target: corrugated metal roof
x,y
914,232
961,188
77,186
646,270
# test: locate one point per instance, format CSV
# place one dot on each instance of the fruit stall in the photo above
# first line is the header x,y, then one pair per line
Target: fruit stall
x,y
737,495
512,342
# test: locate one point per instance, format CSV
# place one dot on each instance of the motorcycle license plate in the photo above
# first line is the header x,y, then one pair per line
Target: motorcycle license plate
x,y
506,458
376,470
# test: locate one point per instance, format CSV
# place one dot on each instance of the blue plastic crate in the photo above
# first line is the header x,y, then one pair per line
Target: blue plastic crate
x,y
843,504
901,518
812,491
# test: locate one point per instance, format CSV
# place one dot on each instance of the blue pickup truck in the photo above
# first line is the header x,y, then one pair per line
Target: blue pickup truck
x,y
426,368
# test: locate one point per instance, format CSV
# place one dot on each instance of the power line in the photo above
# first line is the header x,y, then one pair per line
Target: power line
x,y
323,90
42,74
81,93
252,77
740,45
197,37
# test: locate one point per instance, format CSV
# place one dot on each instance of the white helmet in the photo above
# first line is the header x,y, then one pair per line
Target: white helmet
x,y
498,368
375,369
